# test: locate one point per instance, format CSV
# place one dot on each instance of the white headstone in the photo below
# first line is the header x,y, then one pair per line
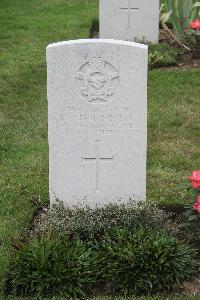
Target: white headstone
x,y
97,100
132,20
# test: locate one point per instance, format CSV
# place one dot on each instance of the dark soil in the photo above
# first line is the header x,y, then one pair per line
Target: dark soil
x,y
176,210
188,59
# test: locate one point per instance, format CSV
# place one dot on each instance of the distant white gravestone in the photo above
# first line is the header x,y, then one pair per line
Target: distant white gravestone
x,y
132,20
97,111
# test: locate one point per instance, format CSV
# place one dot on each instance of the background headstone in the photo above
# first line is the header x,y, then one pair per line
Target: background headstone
x,y
132,20
97,100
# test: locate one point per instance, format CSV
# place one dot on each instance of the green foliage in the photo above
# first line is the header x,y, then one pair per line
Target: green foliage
x,y
27,27
193,41
88,224
50,266
145,262
180,13
190,225
128,263
162,55
116,298
190,228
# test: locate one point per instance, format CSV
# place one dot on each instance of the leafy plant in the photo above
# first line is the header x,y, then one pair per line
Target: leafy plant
x,y
191,226
89,224
162,55
180,13
51,266
193,40
128,263
145,262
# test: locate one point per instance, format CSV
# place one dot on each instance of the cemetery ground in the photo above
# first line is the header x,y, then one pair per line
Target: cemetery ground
x,y
116,298
27,27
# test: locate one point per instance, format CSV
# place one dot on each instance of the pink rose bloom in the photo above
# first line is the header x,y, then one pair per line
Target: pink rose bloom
x,y
196,206
195,24
195,178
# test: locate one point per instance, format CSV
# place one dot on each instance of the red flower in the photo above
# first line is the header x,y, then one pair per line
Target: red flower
x,y
196,206
195,178
195,24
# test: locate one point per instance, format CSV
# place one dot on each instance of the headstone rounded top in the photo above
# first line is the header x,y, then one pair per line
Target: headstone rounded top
x,y
98,41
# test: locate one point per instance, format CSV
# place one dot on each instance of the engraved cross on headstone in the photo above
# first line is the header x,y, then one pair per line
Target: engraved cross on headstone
x,y
129,8
98,159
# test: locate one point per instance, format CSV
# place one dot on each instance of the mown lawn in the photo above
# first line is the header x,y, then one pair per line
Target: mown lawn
x,y
119,298
173,132
27,27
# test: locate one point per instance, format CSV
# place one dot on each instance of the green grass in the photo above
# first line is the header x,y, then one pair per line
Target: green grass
x,y
173,132
117,298
27,27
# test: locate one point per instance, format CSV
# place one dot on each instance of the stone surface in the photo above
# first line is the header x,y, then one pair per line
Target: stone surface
x,y
131,20
97,111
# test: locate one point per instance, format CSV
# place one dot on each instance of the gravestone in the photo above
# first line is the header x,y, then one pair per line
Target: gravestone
x,y
97,111
132,20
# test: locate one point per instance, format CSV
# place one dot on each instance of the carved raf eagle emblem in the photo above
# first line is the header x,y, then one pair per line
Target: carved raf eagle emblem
x,y
96,80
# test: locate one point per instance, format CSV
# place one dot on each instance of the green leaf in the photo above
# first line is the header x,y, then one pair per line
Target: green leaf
x,y
193,218
165,17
